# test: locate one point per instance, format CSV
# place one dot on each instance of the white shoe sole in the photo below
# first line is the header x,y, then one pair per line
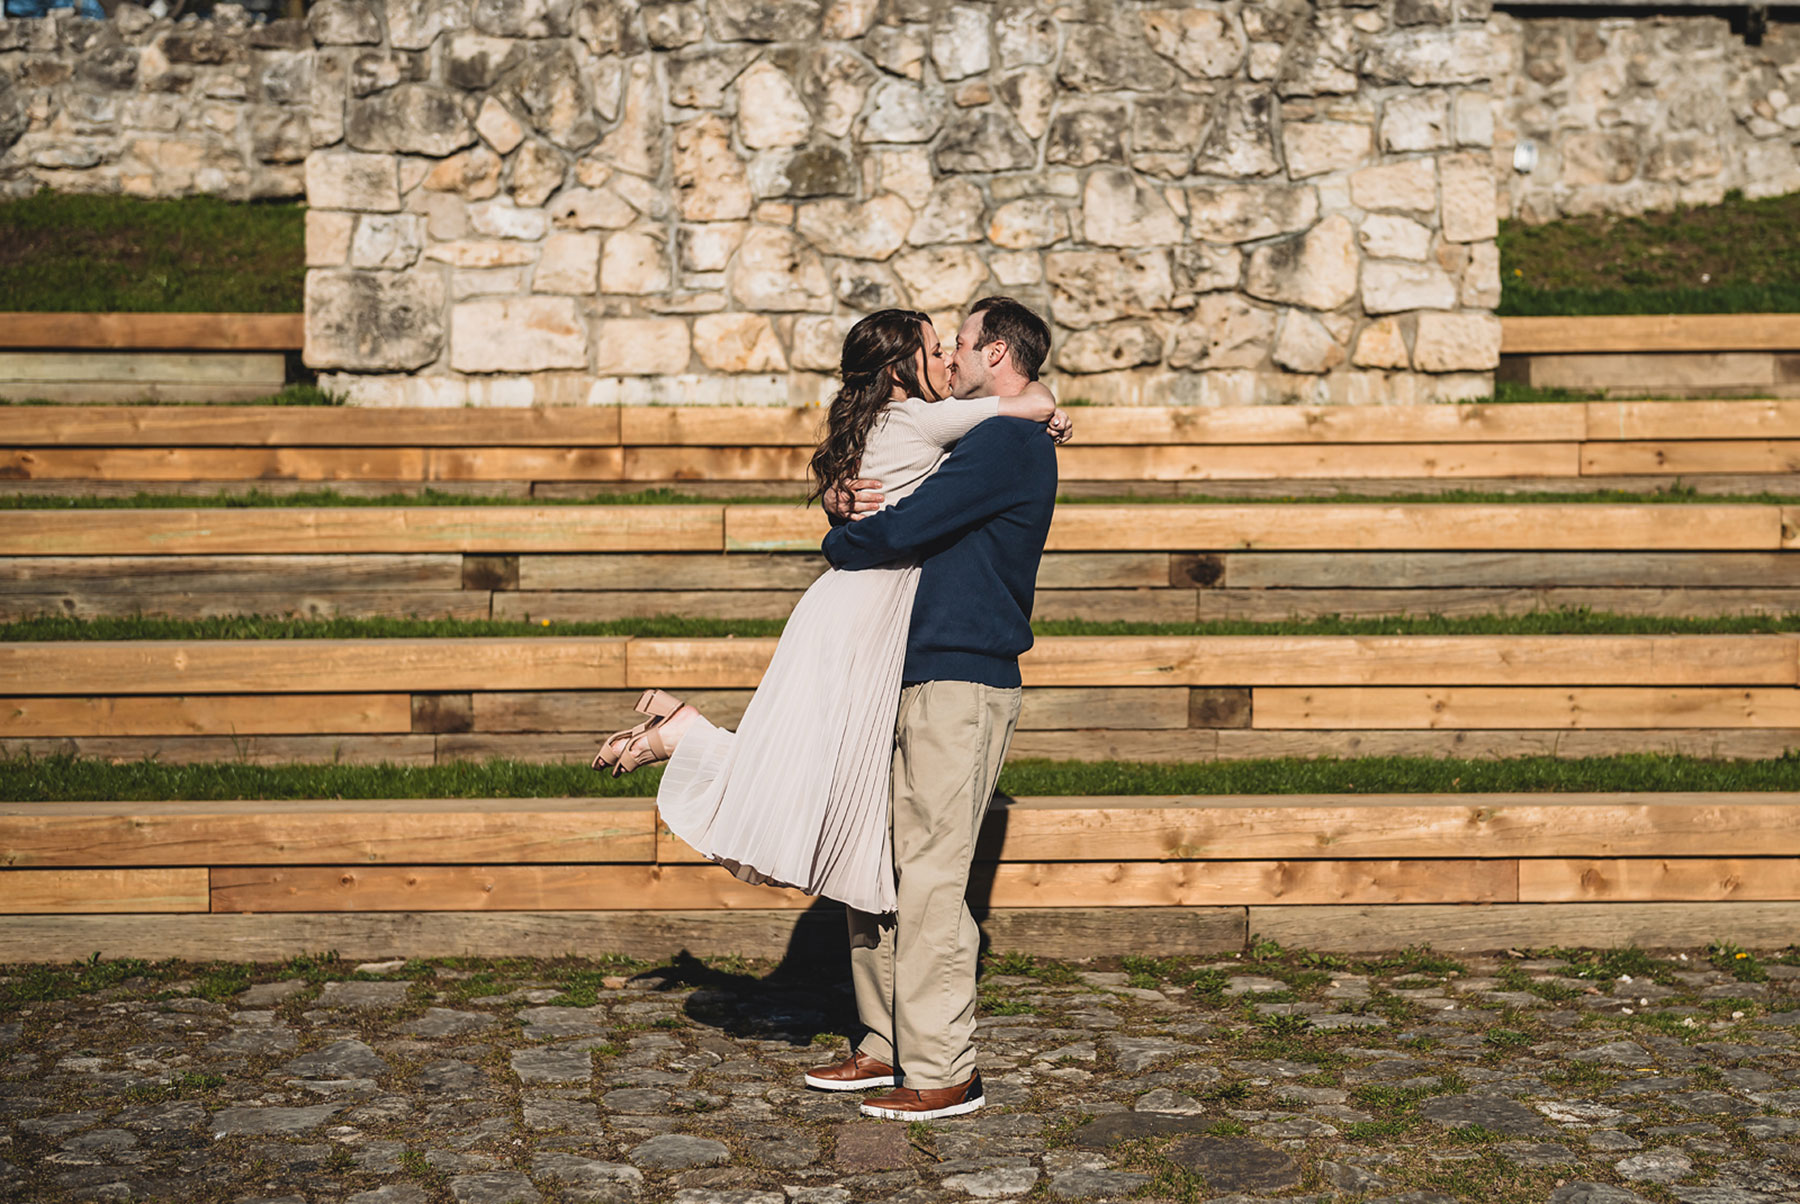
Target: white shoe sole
x,y
880,1080
961,1109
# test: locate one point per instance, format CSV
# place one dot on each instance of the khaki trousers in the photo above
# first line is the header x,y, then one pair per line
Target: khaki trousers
x,y
914,971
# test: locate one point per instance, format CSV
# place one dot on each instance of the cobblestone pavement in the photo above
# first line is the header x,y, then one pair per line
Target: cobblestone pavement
x,y
1585,1079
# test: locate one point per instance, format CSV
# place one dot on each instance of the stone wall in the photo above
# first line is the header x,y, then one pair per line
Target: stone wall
x,y
1631,114
155,108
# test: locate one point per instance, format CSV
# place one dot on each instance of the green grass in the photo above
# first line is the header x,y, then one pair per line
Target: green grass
x,y
1737,256
63,779
275,627
190,255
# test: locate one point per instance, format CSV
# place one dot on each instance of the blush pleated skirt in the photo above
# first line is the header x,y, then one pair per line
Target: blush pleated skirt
x,y
799,794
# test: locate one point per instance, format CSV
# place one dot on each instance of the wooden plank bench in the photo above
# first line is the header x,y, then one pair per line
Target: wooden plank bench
x,y
1679,355
79,358
1176,874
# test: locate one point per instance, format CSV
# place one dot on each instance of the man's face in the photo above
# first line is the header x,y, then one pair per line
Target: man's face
x,y
970,374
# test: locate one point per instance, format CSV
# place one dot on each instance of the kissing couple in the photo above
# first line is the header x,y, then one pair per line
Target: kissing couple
x,y
866,759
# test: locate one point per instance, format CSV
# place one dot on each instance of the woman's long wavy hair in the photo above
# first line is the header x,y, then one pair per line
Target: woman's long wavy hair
x,y
886,339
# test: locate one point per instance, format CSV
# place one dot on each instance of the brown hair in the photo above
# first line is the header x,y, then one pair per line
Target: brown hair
x,y
1026,336
886,339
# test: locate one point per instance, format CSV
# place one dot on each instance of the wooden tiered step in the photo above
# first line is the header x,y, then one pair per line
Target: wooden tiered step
x,y
84,358
1179,874
1666,355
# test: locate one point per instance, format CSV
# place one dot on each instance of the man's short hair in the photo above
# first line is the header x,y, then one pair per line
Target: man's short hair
x,y
1026,335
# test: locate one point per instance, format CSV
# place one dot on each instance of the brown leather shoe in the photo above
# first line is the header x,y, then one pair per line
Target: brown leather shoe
x,y
858,1072
908,1103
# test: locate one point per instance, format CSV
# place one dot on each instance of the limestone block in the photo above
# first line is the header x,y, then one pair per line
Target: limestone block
x,y
370,183
1317,269
710,182
1410,184
487,282
1381,345
1087,132
984,140
959,42
502,219
708,248
1392,287
835,83
845,20
819,343
1168,125
897,49
1027,224
1120,211
523,18
1416,121
553,89
411,118
387,242
1424,56
537,171
1088,288
474,174
1457,342
1302,344
417,24
698,79
774,271
373,321
866,286
1030,94
590,209
1470,209
1389,236
902,112
636,144
517,334
1224,331
1472,119
328,237
672,26
641,346
1481,278
764,20
1026,35
481,253
634,262
942,278
952,213
1098,59
770,111
1111,348
343,23
874,229
905,172
1247,213
1241,140
475,62
570,263
501,129
1316,147
1204,42
1017,269
738,343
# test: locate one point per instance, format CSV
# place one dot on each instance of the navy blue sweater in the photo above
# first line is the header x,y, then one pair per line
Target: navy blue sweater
x,y
978,527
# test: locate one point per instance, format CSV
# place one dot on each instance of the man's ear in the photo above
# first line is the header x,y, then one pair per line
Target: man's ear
x,y
994,352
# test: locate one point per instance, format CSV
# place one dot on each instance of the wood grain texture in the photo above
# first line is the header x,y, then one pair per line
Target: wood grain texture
x,y
352,604
678,571
1440,570
721,426
1650,332
1324,461
405,749
592,606
1692,457
264,370
374,529
313,464
138,576
1709,743
1101,426
352,832
205,715
688,887
1659,879
673,464
307,666
300,426
1461,929
1625,420
1274,605
198,332
1468,708
74,891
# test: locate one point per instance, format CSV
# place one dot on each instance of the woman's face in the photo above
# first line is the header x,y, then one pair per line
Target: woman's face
x,y
932,365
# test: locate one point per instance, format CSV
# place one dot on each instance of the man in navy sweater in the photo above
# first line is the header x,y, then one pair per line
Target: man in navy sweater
x,y
977,527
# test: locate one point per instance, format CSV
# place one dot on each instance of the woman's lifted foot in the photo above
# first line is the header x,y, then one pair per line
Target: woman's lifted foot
x,y
649,742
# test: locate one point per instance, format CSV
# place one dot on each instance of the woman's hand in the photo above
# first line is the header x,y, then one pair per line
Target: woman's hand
x,y
1061,426
853,499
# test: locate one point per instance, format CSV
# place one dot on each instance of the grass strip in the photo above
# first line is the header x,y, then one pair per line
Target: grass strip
x,y
196,254
62,628
69,779
289,395
1674,495
1736,256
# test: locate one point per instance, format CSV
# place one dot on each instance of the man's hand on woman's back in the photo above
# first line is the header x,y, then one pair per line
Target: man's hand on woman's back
x,y
853,499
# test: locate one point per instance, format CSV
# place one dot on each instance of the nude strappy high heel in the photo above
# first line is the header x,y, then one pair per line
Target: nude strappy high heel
x,y
616,751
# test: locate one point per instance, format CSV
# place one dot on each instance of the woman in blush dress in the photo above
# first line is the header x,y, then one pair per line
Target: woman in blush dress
x,y
798,795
